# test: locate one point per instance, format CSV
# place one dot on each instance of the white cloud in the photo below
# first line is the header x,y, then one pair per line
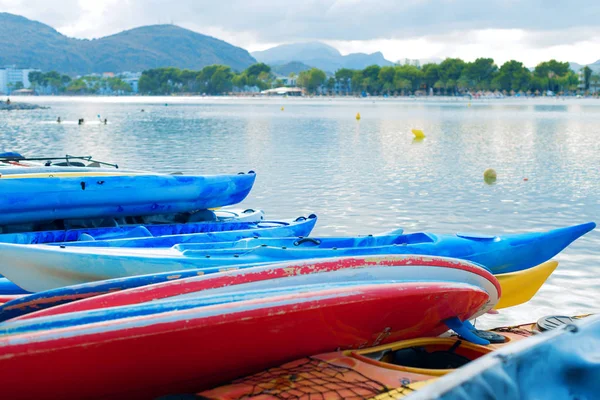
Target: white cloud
x,y
529,30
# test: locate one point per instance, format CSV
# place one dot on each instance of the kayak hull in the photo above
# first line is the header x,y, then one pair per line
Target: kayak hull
x,y
45,199
316,272
168,233
366,372
168,352
37,268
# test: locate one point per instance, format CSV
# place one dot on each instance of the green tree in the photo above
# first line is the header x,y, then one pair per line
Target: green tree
x,y
357,81
330,84
595,82
240,81
311,79
431,76
257,69
552,67
118,85
408,73
386,79
79,86
371,81
479,73
513,75
587,73
215,79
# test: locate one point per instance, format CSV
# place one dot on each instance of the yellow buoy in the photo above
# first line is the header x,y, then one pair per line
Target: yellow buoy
x,y
469,105
358,116
489,175
418,133
281,108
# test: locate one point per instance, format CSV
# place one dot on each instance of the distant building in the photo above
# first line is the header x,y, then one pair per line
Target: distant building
x,y
11,77
132,78
287,81
283,91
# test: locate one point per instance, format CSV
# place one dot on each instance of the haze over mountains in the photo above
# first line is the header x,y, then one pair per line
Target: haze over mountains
x,y
31,44
319,55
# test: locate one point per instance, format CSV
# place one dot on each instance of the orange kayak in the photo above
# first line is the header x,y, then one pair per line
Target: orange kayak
x,y
402,367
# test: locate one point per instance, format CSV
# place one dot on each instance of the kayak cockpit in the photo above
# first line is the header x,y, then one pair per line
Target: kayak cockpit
x,y
428,356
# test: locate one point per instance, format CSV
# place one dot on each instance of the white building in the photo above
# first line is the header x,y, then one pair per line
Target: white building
x,y
10,76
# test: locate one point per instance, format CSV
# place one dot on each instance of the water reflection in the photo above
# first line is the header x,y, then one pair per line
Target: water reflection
x,y
367,176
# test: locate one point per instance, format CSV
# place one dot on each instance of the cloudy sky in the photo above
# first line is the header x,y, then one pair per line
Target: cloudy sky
x,y
526,30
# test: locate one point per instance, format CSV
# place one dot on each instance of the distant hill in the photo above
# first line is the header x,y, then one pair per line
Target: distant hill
x,y
286,69
594,66
575,67
319,55
32,44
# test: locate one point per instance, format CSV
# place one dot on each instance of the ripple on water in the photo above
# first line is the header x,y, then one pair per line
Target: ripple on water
x,y
367,176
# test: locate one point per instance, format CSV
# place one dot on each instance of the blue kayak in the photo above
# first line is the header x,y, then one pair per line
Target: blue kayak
x,y
559,364
27,199
37,267
226,231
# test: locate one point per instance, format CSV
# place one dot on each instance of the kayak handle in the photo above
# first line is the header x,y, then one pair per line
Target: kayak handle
x,y
304,240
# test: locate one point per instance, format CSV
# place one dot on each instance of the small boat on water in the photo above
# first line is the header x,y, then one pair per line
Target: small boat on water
x,y
195,341
37,268
33,199
396,370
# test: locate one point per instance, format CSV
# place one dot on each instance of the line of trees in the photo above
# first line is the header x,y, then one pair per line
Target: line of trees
x,y
54,83
213,79
453,76
450,77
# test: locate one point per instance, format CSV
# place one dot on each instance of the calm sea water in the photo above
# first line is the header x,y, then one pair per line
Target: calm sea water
x,y
367,176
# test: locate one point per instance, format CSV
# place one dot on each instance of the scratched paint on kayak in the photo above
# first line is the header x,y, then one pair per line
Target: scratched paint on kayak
x,y
376,313
337,270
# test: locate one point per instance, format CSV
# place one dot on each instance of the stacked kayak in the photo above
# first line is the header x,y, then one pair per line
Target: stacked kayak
x,y
228,229
281,311
38,268
33,199
137,285
413,368
560,364
517,288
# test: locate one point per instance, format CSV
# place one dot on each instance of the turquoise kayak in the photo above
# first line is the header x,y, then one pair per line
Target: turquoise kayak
x,y
40,267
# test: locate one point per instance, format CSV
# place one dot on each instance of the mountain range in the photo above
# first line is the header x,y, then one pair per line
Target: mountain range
x,y
27,43
31,44
319,55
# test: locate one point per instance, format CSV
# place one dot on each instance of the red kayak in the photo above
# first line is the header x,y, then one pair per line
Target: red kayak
x,y
387,267
190,350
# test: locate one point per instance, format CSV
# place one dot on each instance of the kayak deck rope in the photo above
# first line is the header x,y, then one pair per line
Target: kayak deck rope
x,y
312,378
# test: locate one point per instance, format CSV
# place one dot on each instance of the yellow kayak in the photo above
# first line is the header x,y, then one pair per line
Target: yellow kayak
x,y
519,287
